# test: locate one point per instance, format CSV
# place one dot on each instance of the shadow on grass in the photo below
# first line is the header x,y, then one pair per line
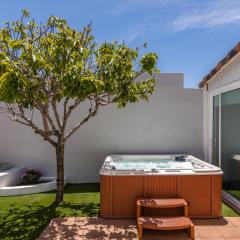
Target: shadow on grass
x,y
79,209
29,221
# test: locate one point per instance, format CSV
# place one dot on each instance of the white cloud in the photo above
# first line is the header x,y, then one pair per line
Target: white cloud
x,y
136,32
134,35
186,15
210,15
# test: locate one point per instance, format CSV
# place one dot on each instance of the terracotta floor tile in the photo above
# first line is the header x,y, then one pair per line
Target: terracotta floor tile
x,y
229,232
231,238
196,233
208,232
235,221
115,229
221,238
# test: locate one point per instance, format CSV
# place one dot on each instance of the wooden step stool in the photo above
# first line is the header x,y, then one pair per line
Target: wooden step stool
x,y
163,223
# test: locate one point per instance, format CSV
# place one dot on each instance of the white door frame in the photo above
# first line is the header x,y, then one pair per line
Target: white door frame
x,y
210,94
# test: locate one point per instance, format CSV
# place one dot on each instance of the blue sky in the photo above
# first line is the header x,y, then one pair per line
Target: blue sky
x,y
189,36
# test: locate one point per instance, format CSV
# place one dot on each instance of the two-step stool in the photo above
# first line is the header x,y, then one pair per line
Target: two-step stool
x,y
163,223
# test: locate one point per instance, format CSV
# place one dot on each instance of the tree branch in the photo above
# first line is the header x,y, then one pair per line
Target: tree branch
x,y
92,112
19,121
65,106
68,112
55,111
37,130
44,113
15,115
41,34
52,124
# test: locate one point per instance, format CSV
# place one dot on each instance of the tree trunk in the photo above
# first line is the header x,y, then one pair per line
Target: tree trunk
x,y
60,172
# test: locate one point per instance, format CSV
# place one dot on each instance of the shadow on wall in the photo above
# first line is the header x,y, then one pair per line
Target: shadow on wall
x,y
171,122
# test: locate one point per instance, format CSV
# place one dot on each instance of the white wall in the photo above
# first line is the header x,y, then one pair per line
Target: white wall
x,y
171,122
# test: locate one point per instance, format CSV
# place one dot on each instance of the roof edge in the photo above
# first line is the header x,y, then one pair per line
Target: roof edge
x,y
231,54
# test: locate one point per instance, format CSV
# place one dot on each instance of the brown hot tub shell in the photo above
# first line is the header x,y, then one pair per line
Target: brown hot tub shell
x,y
201,191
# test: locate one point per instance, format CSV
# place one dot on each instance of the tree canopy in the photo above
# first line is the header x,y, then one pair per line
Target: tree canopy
x,y
53,68
55,61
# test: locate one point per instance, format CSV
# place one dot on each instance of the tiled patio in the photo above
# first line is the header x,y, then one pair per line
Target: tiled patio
x,y
99,229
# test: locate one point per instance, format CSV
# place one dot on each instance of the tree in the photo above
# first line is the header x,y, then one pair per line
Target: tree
x,y
50,69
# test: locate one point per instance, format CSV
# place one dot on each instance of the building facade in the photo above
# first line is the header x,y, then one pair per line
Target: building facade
x,y
221,115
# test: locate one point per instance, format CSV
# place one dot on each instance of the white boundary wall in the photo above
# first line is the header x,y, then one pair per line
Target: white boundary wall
x,y
171,122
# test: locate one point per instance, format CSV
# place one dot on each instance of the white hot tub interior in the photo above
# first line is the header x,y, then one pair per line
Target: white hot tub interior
x,y
156,163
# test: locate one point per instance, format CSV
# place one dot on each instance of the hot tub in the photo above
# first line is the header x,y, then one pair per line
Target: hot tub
x,y
124,178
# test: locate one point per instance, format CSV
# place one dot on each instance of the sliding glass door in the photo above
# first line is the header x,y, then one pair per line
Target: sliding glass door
x,y
215,138
226,135
230,134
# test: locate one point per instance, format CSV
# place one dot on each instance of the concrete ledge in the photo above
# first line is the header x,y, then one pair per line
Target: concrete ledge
x,y
231,201
29,189
11,177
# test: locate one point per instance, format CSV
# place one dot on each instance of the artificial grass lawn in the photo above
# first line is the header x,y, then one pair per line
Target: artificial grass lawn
x,y
235,193
228,212
24,217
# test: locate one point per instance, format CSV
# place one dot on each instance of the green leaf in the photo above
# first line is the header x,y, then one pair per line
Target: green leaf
x,y
63,62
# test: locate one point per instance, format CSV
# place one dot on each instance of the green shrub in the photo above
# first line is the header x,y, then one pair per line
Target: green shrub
x,y
31,176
